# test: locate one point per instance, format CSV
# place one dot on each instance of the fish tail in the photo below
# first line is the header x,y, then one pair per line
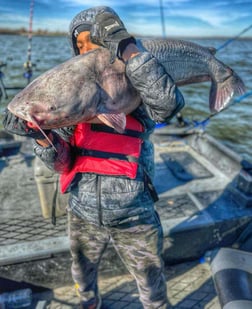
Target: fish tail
x,y
222,93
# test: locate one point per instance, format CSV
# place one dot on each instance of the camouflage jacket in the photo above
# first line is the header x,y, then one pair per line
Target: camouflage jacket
x,y
116,201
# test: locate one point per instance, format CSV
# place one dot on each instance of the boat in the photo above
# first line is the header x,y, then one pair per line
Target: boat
x,y
204,193
204,189
8,145
205,199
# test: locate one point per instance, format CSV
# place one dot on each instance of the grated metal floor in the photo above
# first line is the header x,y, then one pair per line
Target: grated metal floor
x,y
35,228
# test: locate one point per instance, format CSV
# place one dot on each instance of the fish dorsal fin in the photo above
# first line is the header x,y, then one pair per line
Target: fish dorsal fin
x,y
212,50
115,121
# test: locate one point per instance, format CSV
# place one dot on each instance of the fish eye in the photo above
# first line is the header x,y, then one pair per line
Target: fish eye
x,y
52,108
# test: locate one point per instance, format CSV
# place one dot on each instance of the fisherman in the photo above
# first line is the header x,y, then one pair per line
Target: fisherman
x,y
109,175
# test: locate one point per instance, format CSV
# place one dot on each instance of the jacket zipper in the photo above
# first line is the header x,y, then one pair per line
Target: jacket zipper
x,y
98,199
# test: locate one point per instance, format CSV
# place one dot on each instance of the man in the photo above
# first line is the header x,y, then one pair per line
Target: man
x,y
111,196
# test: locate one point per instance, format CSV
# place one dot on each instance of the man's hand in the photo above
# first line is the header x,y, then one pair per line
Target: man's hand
x,y
109,31
16,125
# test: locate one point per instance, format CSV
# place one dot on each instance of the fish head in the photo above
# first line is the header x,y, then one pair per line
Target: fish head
x,y
63,96
85,87
51,110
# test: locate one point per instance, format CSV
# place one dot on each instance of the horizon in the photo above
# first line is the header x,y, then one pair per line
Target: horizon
x,y
45,32
182,18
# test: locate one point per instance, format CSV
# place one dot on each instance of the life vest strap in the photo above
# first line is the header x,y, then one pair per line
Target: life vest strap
x,y
104,155
128,132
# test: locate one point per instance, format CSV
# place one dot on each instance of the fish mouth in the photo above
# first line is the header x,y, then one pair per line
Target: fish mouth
x,y
44,122
20,113
37,116
51,120
47,119
37,120
26,111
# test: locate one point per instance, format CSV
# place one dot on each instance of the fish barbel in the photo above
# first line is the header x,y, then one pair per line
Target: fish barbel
x,y
87,87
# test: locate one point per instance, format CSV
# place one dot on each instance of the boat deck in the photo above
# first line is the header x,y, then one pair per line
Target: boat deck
x,y
197,210
189,285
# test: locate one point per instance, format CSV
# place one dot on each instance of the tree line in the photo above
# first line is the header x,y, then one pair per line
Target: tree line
x,y
24,31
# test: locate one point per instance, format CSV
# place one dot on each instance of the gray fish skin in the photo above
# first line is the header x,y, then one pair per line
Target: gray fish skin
x,y
188,63
88,87
78,90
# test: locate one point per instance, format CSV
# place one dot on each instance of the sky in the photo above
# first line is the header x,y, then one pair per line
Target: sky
x,y
183,18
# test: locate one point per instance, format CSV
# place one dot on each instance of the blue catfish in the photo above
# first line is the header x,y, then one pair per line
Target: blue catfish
x,y
189,63
89,87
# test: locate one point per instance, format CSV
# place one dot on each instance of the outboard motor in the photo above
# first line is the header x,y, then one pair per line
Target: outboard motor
x,y
232,276
241,189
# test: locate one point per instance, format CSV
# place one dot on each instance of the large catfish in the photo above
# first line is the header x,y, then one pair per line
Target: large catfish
x,y
88,87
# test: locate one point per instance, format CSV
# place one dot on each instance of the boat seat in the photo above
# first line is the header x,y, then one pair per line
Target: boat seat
x,y
176,168
232,276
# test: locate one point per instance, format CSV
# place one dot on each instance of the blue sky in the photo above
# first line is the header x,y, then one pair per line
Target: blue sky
x,y
182,17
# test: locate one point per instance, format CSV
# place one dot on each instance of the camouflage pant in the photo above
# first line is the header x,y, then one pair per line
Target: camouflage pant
x,y
138,246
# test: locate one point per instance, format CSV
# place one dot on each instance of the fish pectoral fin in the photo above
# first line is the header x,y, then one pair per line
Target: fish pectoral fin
x,y
212,50
115,121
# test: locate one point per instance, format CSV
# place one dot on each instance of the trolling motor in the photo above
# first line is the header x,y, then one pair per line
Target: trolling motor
x,y
28,70
2,64
241,187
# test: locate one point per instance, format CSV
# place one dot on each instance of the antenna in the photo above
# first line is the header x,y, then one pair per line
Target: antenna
x,y
162,17
234,38
28,63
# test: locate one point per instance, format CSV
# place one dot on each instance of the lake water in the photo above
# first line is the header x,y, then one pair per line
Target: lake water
x,y
232,127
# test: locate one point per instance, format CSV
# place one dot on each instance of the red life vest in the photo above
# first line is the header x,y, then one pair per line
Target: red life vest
x,y
103,151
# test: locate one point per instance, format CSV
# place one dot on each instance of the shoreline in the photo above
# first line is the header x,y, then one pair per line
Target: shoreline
x,y
41,32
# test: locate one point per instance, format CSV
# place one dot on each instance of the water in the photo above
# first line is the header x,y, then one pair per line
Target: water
x,y
232,127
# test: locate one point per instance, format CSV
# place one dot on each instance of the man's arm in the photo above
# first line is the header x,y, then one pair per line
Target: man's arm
x,y
58,158
161,97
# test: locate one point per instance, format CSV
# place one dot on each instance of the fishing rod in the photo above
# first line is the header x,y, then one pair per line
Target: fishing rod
x,y
205,121
28,64
234,38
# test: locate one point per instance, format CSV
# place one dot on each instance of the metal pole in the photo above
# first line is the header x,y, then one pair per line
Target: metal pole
x,y
28,63
162,17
